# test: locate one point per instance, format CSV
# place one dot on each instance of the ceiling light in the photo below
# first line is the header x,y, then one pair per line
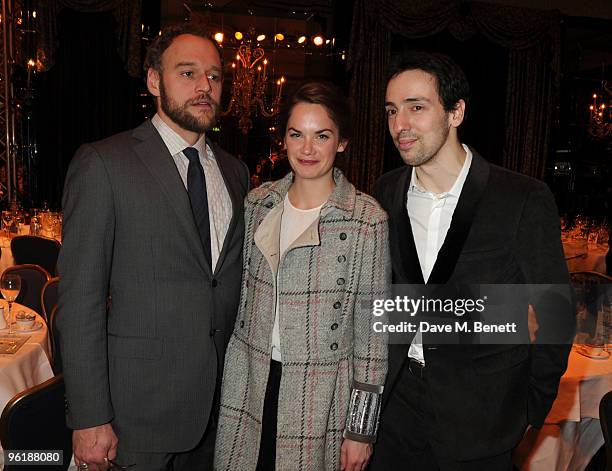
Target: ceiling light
x,y
219,37
238,35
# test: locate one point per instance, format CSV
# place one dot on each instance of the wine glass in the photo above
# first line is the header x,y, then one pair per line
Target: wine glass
x,y
7,222
10,285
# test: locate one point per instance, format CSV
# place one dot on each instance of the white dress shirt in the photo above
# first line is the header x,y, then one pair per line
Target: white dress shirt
x,y
294,222
430,217
219,202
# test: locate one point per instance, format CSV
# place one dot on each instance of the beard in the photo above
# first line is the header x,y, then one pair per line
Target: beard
x,y
181,115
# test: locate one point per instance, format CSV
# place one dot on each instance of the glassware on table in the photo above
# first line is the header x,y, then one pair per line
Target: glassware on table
x,y
35,223
7,222
10,285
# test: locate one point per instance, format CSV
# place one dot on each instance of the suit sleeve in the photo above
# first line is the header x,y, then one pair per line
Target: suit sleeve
x,y
542,260
370,347
84,267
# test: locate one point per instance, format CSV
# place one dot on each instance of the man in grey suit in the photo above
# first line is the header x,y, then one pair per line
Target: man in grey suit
x,y
153,223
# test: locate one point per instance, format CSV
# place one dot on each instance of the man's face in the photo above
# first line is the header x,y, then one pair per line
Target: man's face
x,y
189,85
417,121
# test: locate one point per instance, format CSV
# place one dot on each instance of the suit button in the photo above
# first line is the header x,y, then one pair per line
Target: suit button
x,y
337,305
334,346
213,283
241,324
341,258
340,281
334,326
343,236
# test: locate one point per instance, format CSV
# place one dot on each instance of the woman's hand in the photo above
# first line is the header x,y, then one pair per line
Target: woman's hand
x,y
354,456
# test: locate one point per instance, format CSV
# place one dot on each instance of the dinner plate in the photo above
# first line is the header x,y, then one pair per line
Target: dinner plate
x,y
37,326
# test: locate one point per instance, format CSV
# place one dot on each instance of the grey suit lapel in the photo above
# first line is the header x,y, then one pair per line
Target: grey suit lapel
x,y
231,180
155,156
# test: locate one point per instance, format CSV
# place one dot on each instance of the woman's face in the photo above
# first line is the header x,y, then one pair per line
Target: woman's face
x,y
312,140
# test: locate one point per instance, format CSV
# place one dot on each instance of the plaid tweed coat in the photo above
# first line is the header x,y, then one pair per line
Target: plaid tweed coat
x,y
326,281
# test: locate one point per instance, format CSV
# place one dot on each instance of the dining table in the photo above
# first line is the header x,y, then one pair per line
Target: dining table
x,y
571,434
580,256
24,356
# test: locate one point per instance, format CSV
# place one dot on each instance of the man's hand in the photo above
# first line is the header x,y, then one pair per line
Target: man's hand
x,y
354,456
93,445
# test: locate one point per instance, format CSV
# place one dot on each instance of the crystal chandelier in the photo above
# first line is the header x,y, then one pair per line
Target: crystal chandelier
x,y
249,83
600,114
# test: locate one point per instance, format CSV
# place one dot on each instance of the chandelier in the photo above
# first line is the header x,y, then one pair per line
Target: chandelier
x,y
600,114
250,81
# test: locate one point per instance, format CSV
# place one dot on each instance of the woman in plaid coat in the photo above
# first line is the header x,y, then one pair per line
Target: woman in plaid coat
x,y
304,370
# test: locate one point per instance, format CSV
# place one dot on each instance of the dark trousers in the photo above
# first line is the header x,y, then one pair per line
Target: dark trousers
x,y
267,447
408,432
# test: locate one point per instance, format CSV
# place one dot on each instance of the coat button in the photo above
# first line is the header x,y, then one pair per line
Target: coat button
x,y
343,236
340,281
213,283
337,305
341,258
241,324
334,326
334,346
269,204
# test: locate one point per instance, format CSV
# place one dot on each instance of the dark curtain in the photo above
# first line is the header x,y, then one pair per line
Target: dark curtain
x,y
87,95
531,37
126,33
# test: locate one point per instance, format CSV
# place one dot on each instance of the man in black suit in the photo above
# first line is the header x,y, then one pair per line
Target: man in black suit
x,y
456,219
153,219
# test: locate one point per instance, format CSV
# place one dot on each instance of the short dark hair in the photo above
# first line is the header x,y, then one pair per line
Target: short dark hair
x,y
167,36
450,79
329,96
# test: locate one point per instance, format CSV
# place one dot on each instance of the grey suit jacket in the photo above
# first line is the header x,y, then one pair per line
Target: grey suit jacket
x,y
149,365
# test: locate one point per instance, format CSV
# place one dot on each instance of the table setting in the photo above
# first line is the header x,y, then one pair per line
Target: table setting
x,y
16,221
585,244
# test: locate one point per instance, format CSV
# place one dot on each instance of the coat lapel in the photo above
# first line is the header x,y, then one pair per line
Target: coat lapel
x,y
410,266
231,180
155,156
472,192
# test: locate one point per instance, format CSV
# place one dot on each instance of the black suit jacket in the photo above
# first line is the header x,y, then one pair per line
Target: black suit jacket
x,y
149,366
505,229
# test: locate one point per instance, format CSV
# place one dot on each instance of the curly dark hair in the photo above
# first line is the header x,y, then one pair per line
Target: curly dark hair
x,y
330,97
169,34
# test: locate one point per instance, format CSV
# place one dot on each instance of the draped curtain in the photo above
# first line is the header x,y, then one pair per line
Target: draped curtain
x,y
532,37
127,33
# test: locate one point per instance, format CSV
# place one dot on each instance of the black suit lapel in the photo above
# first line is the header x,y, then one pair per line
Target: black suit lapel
x,y
232,182
472,192
154,154
410,268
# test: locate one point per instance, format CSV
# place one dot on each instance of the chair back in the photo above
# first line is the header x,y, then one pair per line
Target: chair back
x,y
33,279
605,420
56,354
48,297
36,250
35,420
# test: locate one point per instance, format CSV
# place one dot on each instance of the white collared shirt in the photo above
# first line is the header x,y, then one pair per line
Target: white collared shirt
x,y
430,217
219,202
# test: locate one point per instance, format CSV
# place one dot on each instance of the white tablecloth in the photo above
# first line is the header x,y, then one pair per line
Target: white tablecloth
x,y
29,366
572,434
581,258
